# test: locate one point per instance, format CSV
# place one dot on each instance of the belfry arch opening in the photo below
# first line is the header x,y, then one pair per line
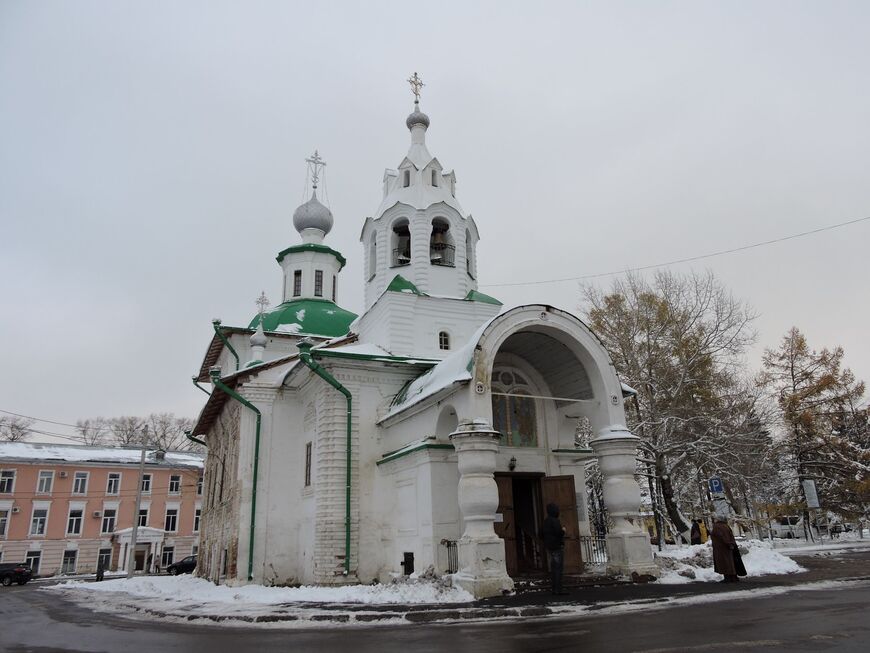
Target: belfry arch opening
x,y
441,248
400,244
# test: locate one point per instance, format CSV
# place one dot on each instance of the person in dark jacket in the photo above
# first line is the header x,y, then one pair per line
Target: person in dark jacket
x,y
554,542
724,548
695,534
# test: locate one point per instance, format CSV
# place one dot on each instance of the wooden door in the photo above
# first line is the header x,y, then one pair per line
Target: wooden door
x,y
560,490
506,528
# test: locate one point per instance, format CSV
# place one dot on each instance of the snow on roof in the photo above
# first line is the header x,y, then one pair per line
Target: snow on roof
x,y
79,453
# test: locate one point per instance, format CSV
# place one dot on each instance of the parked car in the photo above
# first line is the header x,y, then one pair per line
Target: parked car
x,y
789,526
14,572
183,566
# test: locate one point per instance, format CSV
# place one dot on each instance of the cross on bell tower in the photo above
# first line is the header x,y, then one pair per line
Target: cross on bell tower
x,y
416,84
315,164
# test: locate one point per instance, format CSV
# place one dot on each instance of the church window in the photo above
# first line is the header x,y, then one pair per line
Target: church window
x,y
401,243
297,283
334,288
444,340
514,414
441,249
307,464
406,179
373,258
318,283
469,254
435,178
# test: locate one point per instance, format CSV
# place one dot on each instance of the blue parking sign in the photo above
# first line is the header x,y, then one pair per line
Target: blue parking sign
x,y
716,485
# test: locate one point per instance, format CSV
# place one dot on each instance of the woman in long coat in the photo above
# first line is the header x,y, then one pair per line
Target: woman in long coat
x,y
724,546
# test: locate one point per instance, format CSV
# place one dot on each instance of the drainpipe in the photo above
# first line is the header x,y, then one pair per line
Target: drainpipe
x,y
190,437
196,383
216,323
305,356
215,374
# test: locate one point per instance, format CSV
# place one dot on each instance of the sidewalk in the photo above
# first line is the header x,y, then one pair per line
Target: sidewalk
x,y
844,565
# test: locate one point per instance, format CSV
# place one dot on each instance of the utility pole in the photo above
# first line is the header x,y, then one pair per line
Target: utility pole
x,y
131,559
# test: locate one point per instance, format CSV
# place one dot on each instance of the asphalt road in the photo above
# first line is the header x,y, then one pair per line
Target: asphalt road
x,y
821,620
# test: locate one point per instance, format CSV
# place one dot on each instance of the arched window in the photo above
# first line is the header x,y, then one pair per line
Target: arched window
x,y
514,414
469,254
435,178
441,249
406,179
373,256
444,340
401,243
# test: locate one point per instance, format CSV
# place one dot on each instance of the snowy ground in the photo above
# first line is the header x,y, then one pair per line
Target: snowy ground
x,y
686,564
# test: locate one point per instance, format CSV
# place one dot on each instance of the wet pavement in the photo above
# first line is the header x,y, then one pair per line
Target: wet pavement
x,y
833,618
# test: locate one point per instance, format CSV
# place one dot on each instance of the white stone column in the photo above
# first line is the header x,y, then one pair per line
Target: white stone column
x,y
482,570
628,547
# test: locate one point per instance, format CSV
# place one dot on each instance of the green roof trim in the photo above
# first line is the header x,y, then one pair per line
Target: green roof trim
x,y
311,247
401,453
401,284
316,317
474,296
412,360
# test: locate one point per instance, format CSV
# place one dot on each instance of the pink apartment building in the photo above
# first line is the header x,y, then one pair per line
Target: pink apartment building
x,y
65,507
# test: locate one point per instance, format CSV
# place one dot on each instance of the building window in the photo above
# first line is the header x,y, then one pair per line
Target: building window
x,y
334,288
297,283
513,414
196,517
4,520
69,562
441,249
469,254
37,522
175,484
74,522
7,481
318,283
143,517
80,483
435,178
146,483
104,558
406,180
168,556
199,486
307,464
108,525
32,560
373,260
171,522
43,486
444,340
113,485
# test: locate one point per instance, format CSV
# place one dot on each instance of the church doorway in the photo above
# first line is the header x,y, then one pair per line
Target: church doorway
x,y
522,501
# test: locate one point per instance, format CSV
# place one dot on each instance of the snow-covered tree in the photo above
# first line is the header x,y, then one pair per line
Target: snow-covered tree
x,y
679,341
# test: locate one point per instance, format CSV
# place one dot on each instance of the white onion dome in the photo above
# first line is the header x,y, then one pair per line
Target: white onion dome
x,y
313,215
259,338
417,118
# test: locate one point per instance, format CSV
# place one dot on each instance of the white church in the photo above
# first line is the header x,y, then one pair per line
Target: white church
x,y
347,449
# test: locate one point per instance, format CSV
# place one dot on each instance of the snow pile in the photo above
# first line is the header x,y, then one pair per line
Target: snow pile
x,y
186,589
687,563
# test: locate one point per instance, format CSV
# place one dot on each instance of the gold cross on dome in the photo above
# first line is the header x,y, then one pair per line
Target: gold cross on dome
x,y
262,302
416,84
315,163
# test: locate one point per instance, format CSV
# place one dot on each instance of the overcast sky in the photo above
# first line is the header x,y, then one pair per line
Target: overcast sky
x,y
152,154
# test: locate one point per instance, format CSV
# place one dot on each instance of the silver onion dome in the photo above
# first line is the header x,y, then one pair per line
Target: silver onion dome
x,y
313,215
417,118
259,338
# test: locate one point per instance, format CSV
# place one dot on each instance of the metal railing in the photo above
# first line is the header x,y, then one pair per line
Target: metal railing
x,y
442,254
452,555
594,550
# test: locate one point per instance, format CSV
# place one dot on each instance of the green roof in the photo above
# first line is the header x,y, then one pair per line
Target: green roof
x,y
401,284
474,296
311,247
310,316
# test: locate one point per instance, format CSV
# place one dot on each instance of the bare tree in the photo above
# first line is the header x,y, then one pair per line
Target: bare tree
x,y
93,431
14,428
166,431
126,431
